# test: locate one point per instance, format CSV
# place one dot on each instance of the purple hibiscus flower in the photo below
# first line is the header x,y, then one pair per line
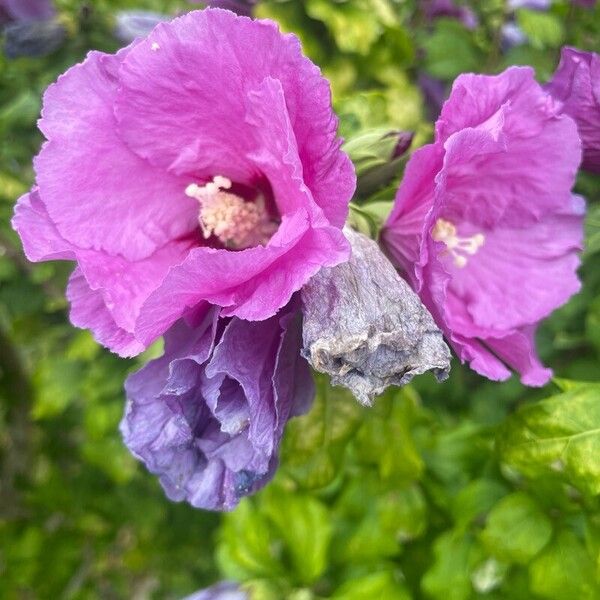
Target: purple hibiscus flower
x,y
25,10
576,86
207,417
198,165
485,225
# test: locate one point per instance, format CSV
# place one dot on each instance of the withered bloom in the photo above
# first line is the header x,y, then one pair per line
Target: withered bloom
x,y
366,328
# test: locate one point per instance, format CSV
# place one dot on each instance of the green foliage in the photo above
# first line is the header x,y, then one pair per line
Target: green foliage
x,y
450,50
544,30
465,490
558,437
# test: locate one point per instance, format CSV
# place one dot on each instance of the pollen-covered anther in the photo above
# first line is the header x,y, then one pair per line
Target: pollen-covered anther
x,y
237,223
445,232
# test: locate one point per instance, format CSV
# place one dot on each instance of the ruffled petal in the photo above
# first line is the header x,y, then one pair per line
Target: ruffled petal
x,y
89,311
251,284
518,351
499,168
576,85
195,121
39,235
99,194
185,416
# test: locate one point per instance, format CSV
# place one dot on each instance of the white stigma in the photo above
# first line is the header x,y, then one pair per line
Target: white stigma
x,y
445,231
234,221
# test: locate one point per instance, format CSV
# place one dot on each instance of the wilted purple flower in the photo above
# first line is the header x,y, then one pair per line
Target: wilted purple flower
x,y
485,225
366,328
225,590
447,8
200,164
26,10
240,7
207,417
133,24
576,86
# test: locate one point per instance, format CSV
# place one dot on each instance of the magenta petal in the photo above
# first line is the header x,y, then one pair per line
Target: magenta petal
x,y
480,359
41,240
89,311
235,280
576,85
518,351
406,226
98,193
509,285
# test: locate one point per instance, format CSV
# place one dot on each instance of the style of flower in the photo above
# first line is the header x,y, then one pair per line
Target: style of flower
x,y
485,225
207,417
198,165
576,86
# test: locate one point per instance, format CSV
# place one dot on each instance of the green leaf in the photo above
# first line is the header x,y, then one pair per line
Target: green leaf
x,y
559,436
354,25
314,445
564,571
245,550
476,500
385,439
449,578
376,530
375,585
450,50
353,29
544,29
303,523
592,231
516,529
57,382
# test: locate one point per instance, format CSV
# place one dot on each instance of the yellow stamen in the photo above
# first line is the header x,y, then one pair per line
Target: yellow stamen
x,y
445,231
235,222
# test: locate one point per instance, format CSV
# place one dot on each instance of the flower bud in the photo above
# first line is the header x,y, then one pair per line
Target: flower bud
x,y
366,328
377,155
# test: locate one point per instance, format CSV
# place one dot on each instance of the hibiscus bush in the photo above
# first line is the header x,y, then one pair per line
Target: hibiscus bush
x,y
236,253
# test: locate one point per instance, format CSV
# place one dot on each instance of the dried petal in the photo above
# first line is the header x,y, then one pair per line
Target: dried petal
x,y
366,328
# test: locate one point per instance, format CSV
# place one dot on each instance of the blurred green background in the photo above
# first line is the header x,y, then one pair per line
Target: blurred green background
x,y
468,489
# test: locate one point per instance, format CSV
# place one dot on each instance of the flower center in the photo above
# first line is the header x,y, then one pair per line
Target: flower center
x,y
235,222
460,248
